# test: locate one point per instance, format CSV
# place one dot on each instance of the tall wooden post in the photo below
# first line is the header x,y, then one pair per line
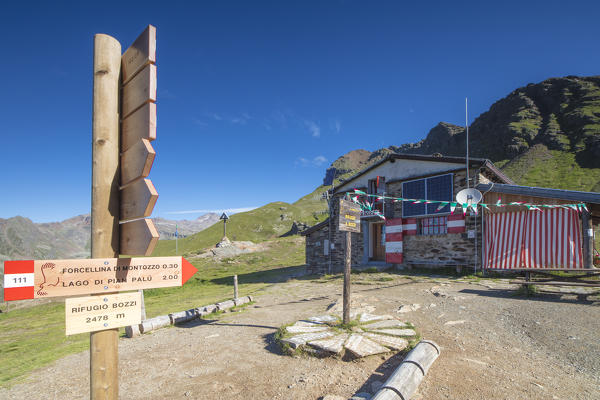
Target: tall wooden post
x,y
104,383
588,240
235,287
347,270
348,221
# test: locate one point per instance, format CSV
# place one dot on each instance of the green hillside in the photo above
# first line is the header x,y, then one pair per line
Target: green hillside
x,y
551,168
267,222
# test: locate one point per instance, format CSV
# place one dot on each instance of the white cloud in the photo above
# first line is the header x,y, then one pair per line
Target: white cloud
x,y
319,160
315,162
335,125
218,211
314,129
199,122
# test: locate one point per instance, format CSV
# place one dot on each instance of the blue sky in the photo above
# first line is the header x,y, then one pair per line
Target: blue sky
x,y
256,99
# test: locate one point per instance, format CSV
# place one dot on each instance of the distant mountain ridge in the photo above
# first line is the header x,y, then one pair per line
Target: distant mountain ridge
x,y
544,134
20,238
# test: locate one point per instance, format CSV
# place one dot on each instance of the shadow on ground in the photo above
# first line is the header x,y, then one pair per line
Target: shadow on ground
x,y
215,322
275,275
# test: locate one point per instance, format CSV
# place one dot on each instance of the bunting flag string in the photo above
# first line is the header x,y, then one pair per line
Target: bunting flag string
x,y
366,205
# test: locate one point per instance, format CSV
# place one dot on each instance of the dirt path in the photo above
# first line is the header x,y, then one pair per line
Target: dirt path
x,y
494,346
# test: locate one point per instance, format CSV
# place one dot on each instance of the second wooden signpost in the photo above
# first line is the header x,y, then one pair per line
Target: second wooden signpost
x,y
349,221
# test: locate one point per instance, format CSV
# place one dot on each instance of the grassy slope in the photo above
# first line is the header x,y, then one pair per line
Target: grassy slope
x,y
264,223
553,169
33,337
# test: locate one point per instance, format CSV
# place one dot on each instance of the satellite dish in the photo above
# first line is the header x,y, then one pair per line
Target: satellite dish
x,y
469,196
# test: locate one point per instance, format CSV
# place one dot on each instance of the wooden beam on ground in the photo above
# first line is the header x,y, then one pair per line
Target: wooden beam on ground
x,y
138,238
138,200
136,162
557,283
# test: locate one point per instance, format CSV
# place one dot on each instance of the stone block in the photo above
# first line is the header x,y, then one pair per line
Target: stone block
x,y
360,346
301,339
332,345
396,343
390,323
398,332
306,329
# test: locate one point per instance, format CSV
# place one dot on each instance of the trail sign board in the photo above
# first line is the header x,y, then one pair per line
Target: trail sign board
x,y
139,90
141,53
138,238
136,162
138,200
139,125
96,313
349,220
224,217
55,278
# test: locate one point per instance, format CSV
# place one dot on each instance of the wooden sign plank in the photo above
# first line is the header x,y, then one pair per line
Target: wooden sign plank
x,y
57,278
138,200
136,162
349,218
139,125
97,313
139,90
141,53
138,238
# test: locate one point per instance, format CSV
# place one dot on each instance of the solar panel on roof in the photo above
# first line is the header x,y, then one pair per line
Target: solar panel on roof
x,y
434,188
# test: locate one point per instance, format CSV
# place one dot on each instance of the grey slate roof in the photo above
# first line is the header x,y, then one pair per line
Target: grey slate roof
x,y
573,195
473,162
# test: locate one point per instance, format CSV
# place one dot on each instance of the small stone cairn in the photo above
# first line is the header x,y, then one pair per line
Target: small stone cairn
x,y
369,334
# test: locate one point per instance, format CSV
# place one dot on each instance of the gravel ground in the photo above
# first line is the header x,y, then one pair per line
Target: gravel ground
x,y
495,345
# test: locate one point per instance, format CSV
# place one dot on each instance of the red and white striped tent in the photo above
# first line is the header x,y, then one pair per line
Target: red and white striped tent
x,y
537,239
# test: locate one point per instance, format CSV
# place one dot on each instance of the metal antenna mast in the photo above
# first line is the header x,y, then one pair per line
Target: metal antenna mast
x,y
467,140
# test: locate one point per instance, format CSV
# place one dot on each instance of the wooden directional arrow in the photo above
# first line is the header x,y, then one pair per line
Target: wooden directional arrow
x,y
136,162
139,125
141,53
138,200
55,278
141,89
138,238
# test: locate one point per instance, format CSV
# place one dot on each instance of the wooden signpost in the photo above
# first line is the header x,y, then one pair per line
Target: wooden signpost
x,y
96,313
58,278
120,204
349,221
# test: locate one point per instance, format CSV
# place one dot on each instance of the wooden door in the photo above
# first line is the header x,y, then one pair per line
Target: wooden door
x,y
378,243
